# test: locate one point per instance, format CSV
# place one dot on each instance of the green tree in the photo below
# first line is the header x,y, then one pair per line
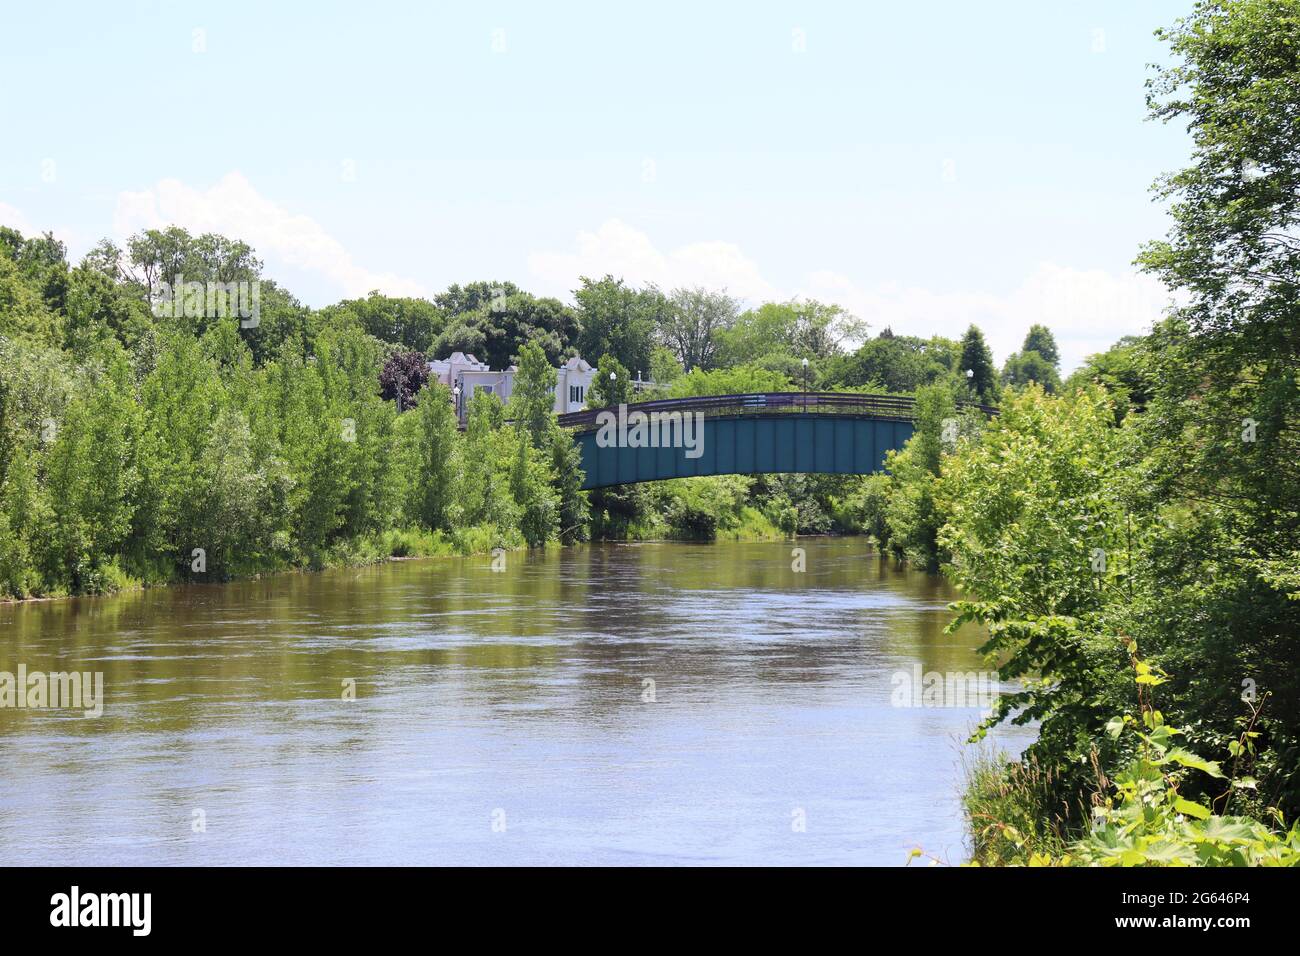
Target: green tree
x,y
897,363
618,320
493,321
738,380
233,491
1023,368
1041,340
664,367
488,457
976,365
612,385
1038,536
438,464
93,474
1121,371
566,467
692,322
411,323
99,308
538,505
779,335
1219,443
24,315
532,401
912,515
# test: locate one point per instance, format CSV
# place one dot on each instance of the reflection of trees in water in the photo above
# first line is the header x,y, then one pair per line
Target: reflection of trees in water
x,y
576,629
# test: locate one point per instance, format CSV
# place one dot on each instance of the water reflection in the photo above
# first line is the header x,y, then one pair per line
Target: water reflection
x,y
518,696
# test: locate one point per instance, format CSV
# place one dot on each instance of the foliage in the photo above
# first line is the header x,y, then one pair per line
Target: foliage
x,y
403,376
777,333
618,320
911,513
738,380
1143,818
566,466
693,323
1005,802
1029,367
664,367
1216,456
1121,371
698,508
976,366
139,449
493,321
611,385
532,401
1035,530
410,324
437,461
863,510
897,363
1040,339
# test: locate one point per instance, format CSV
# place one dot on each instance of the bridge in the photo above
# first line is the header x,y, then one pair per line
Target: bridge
x,y
834,433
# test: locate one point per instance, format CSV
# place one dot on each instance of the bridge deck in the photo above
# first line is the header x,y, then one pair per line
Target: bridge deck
x,y
890,407
765,433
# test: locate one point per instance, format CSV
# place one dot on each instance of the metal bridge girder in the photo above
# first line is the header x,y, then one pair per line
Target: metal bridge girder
x,y
755,443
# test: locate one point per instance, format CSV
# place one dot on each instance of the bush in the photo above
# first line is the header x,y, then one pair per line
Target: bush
x,y
1141,817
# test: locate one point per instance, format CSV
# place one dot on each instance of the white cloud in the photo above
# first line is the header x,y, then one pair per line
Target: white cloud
x,y
233,208
1086,310
620,250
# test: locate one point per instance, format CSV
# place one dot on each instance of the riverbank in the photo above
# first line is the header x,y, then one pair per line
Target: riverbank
x,y
410,545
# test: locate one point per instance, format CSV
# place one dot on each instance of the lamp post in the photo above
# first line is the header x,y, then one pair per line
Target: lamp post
x,y
805,385
455,399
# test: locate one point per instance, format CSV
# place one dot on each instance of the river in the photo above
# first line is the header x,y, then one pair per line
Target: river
x,y
614,704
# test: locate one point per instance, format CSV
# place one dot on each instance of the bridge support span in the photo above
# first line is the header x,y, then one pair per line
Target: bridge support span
x,y
783,442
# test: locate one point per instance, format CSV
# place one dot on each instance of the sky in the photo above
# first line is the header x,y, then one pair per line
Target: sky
x,y
925,165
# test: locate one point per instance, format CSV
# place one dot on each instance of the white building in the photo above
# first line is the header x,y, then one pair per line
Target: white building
x,y
465,375
574,379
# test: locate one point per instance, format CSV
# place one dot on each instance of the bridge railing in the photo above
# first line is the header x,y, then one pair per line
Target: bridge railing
x,y
895,407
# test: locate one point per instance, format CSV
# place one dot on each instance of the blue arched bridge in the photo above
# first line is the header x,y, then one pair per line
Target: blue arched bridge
x,y
837,433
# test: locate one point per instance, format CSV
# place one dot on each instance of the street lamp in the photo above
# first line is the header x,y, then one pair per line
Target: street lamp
x,y
805,384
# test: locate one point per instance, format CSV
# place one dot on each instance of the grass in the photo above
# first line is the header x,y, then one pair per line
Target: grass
x,y
1008,808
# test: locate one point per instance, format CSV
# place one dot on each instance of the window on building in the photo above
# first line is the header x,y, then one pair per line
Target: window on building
x,y
489,389
576,393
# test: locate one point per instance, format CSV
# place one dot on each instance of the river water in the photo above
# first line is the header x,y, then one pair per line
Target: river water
x,y
616,704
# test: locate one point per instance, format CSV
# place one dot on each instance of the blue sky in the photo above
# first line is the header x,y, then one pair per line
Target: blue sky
x,y
925,165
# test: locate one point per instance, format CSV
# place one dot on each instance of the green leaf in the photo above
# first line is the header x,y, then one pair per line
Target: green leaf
x,y
1191,809
1186,758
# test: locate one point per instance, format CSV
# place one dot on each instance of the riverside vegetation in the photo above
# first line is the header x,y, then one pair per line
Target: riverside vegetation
x,y
1154,501
1151,499
142,445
